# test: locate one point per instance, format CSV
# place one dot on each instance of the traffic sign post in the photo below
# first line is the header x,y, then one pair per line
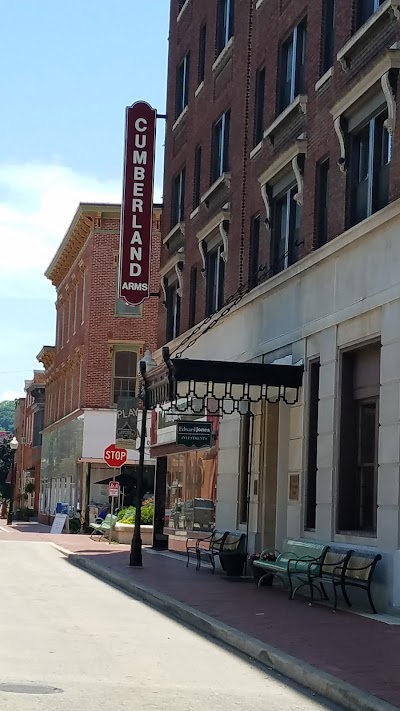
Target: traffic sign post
x,y
114,457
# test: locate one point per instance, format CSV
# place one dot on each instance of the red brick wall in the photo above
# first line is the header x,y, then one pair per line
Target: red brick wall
x,y
92,343
258,35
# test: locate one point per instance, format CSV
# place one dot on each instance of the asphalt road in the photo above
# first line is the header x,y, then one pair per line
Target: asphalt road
x,y
61,629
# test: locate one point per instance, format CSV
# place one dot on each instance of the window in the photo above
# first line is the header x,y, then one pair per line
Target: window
x,y
75,307
358,456
220,146
69,316
371,149
83,295
178,198
181,4
63,326
202,54
225,23
285,230
322,188
182,85
173,305
197,177
328,34
244,464
366,8
254,251
215,271
124,374
259,106
192,296
292,66
311,480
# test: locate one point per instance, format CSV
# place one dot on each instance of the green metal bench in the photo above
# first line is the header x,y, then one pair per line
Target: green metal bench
x,y
300,560
102,526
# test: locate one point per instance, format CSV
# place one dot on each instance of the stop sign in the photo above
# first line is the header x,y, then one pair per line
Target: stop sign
x,y
114,456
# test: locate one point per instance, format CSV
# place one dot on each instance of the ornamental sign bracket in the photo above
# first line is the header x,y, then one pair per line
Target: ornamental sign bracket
x,y
137,204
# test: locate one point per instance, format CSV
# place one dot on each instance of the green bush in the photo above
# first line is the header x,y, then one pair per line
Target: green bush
x,y
147,513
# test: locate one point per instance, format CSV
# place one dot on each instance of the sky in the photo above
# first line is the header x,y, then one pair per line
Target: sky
x,y
68,70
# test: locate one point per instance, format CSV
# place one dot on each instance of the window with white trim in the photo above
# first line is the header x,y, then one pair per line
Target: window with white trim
x,y
215,273
225,23
124,374
293,53
182,85
173,306
220,146
328,35
365,9
285,229
178,198
370,156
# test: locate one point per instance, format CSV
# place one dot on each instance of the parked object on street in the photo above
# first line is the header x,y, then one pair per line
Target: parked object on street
x,y
102,527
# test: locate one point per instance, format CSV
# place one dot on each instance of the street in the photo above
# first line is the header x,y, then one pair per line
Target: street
x,y
81,644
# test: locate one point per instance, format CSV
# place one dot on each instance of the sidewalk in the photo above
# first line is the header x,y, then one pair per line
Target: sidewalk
x,y
359,651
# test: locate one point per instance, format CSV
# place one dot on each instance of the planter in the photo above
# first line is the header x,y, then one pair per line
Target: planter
x,y
233,563
123,532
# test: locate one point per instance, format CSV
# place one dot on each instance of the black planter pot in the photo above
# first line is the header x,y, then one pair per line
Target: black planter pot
x,y
233,563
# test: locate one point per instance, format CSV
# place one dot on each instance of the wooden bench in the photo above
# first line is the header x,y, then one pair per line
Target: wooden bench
x,y
301,560
102,526
346,570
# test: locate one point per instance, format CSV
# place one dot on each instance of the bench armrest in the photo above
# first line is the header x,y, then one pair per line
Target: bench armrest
x,y
361,567
304,559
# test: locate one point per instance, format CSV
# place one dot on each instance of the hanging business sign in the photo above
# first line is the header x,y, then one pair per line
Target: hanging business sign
x,y
137,204
127,413
194,434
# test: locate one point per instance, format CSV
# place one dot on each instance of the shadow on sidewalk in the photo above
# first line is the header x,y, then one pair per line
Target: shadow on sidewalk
x,y
354,649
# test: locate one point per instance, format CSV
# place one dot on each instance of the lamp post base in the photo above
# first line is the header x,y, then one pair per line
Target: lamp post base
x,y
135,558
9,518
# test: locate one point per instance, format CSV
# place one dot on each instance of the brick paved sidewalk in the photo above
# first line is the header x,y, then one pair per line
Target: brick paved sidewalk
x,y
358,650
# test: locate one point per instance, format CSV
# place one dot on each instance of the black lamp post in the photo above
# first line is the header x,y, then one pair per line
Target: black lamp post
x,y
135,558
13,446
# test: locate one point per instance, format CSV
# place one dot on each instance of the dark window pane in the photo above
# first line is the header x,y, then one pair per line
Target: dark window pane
x,y
328,36
300,60
254,251
322,184
125,364
178,198
202,53
286,74
225,23
173,306
220,146
215,273
182,85
192,296
259,106
366,8
197,177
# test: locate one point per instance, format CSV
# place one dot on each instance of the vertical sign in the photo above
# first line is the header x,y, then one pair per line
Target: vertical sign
x,y
137,204
127,432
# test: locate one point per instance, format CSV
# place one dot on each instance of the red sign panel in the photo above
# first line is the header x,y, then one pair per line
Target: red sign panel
x,y
114,456
137,204
113,489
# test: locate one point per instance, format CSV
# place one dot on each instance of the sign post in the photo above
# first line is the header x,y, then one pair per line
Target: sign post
x,y
194,433
114,457
137,204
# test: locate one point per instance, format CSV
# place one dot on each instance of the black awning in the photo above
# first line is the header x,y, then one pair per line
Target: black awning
x,y
220,386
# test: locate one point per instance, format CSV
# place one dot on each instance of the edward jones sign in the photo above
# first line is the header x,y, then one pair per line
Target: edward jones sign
x,y
137,204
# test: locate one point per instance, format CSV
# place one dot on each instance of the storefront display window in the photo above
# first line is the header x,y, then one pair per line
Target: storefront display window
x,y
191,491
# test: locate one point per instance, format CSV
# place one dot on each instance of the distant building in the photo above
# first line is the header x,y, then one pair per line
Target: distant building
x,y
99,342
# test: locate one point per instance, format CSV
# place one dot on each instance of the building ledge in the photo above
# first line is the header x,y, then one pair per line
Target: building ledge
x,y
389,7
224,180
181,118
199,88
223,58
217,225
182,10
324,79
299,104
195,212
179,228
282,161
259,3
255,151
174,265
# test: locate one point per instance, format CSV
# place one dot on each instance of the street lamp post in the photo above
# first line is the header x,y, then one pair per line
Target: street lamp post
x,y
135,558
13,446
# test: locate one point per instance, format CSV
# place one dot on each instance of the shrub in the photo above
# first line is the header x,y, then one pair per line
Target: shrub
x,y
147,513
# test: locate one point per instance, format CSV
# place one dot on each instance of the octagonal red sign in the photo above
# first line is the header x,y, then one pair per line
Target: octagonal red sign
x,y
114,456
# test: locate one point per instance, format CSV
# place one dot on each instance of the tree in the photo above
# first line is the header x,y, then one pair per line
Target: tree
x,y
7,409
6,457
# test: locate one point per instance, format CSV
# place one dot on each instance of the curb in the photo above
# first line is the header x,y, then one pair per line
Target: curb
x,y
319,682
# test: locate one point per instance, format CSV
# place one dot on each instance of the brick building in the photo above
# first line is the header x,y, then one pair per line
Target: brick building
x,y
282,205
28,426
99,342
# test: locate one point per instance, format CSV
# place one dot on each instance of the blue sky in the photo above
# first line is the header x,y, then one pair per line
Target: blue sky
x,y
68,71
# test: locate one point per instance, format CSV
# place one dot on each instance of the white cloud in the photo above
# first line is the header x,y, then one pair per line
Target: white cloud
x,y
10,395
37,204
